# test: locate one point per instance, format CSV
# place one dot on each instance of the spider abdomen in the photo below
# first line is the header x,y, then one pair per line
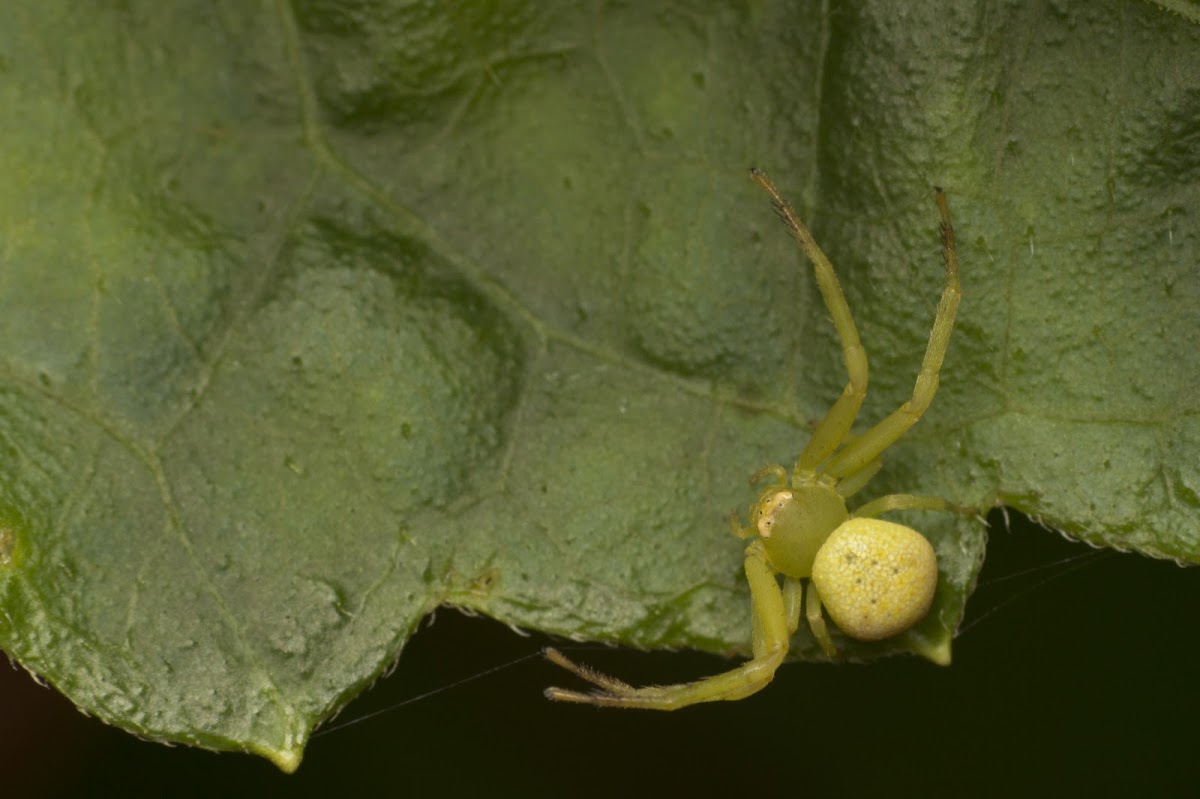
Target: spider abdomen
x,y
876,578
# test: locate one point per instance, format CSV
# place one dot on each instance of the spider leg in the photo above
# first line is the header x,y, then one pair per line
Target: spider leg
x,y
774,470
867,447
853,483
892,502
793,597
770,646
816,622
832,429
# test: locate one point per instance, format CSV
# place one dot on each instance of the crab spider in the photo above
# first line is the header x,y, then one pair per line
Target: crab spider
x,y
874,578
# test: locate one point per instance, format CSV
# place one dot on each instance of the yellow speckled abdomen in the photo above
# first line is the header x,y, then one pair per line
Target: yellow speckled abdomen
x,y
876,578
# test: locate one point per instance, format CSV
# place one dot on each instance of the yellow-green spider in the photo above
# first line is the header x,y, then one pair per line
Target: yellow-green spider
x,y
875,578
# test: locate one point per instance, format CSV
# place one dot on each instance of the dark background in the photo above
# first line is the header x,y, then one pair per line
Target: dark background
x,y
1078,677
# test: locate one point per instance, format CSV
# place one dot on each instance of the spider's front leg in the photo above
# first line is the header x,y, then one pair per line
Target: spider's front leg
x,y
832,429
863,450
775,619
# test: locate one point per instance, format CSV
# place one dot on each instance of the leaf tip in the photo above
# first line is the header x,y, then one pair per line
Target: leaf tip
x,y
936,651
287,760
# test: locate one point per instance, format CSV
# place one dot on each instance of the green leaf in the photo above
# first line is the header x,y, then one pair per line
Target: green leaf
x,y
315,316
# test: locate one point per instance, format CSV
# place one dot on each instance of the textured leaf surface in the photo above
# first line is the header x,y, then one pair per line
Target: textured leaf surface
x,y
317,315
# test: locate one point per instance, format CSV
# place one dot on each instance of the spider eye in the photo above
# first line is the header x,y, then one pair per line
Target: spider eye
x,y
769,510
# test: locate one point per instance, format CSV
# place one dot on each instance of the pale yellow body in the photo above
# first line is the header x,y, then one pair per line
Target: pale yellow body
x,y
876,579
